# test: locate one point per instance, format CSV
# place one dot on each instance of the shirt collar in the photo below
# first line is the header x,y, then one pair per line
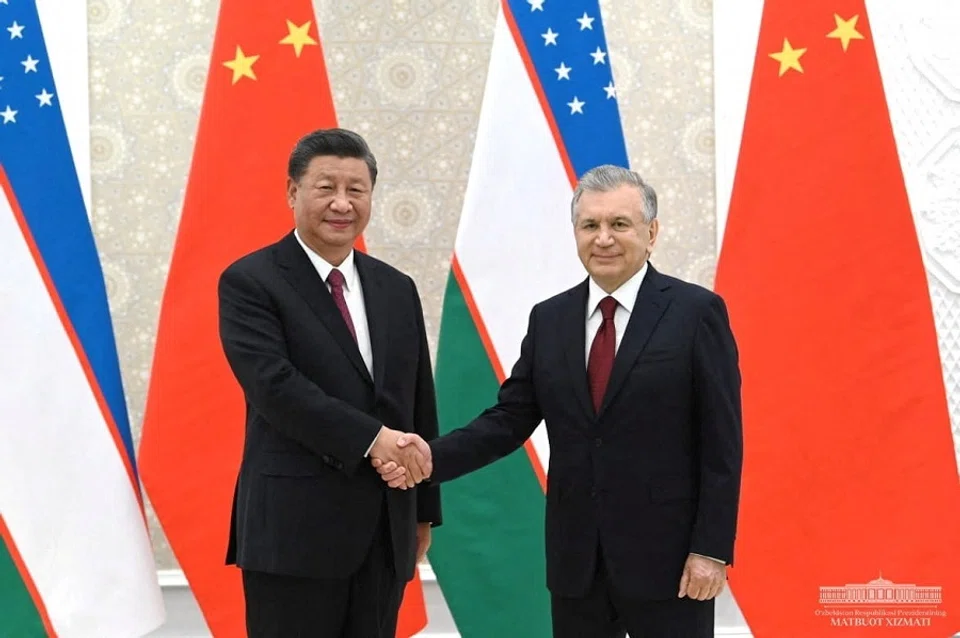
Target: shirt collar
x,y
323,267
626,294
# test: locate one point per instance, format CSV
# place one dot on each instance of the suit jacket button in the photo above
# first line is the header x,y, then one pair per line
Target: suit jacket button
x,y
598,441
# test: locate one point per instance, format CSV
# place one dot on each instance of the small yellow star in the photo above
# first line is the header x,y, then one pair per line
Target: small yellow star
x,y
846,30
298,37
789,58
242,65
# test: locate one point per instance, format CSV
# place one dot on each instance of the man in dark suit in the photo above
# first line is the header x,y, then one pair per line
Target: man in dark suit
x,y
330,349
637,377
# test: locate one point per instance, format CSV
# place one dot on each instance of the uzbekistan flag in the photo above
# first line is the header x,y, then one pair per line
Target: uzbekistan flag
x,y
549,114
75,557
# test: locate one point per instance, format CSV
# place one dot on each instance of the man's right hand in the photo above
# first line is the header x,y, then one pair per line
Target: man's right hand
x,y
403,459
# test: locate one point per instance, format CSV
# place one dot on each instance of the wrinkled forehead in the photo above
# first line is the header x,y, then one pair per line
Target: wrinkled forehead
x,y
624,202
338,168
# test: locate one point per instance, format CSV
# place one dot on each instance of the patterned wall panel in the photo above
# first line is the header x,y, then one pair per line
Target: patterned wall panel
x,y
408,75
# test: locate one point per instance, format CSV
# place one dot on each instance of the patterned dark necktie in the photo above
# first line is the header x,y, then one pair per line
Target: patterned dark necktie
x,y
336,280
602,352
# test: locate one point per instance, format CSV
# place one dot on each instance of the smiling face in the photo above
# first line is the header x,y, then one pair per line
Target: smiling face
x,y
613,240
331,204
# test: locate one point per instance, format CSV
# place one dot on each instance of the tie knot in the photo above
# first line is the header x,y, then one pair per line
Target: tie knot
x,y
608,305
336,278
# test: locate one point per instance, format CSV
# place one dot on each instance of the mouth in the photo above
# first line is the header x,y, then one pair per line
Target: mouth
x,y
605,257
339,224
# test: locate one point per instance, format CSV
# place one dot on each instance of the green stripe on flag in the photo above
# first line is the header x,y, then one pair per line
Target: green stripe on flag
x,y
489,553
18,614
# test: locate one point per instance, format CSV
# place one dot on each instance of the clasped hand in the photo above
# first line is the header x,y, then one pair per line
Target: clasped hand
x,y
402,459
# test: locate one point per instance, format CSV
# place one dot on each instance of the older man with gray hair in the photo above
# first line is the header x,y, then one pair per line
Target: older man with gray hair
x,y
637,377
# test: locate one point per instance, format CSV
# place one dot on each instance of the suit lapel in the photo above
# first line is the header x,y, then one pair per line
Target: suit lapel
x,y
299,271
376,302
649,307
573,336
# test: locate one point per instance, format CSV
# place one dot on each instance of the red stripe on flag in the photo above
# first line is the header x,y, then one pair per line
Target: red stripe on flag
x,y
849,469
235,203
538,89
71,333
494,359
25,576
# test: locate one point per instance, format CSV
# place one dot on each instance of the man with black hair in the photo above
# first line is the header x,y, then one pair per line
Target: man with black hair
x,y
329,347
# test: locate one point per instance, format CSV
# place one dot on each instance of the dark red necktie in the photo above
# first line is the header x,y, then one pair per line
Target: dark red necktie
x,y
602,352
335,278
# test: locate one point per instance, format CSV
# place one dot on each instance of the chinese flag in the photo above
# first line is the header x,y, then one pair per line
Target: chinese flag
x,y
267,86
849,471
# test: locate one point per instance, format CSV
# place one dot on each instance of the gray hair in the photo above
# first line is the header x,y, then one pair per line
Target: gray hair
x,y
609,177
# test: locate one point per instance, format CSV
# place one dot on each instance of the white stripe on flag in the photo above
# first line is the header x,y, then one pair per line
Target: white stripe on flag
x,y
64,491
65,34
515,241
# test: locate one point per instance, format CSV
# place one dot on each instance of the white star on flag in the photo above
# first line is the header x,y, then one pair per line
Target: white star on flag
x,y
586,22
46,99
16,31
563,72
576,106
9,115
611,90
549,37
3,2
599,56
30,64
535,5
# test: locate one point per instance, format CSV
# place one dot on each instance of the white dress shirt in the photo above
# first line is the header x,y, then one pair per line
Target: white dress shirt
x,y
353,295
626,296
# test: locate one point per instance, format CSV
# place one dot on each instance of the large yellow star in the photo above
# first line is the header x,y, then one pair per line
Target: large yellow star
x,y
242,65
846,30
298,36
789,58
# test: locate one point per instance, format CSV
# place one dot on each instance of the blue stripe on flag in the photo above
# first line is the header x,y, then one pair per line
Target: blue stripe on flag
x,y
36,156
566,43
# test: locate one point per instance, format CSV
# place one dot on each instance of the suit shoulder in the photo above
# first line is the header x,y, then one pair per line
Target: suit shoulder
x,y
251,262
384,271
692,292
557,301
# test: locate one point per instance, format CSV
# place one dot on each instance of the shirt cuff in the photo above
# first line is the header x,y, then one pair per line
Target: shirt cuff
x,y
372,443
716,560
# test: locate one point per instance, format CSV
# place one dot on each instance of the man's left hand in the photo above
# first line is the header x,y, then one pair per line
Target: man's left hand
x,y
703,579
423,540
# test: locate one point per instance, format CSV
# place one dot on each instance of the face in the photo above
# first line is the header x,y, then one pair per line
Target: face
x,y
613,241
331,204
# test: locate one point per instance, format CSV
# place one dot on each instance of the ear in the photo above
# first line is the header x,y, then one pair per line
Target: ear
x,y
653,230
291,192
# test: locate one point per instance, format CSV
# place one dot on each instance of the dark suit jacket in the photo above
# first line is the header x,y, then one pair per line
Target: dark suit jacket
x,y
307,502
652,477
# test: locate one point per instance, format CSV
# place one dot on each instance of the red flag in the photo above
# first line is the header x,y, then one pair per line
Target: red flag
x,y
267,86
849,472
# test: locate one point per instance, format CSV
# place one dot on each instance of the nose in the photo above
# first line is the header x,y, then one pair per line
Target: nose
x,y
340,203
604,238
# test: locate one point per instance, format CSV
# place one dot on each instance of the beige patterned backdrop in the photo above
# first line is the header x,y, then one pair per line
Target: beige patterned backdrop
x,y
408,75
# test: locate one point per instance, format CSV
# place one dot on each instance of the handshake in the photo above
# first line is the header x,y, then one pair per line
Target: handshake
x,y
402,459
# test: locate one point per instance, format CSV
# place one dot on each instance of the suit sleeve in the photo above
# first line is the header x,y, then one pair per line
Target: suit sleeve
x,y
425,420
718,409
253,341
499,430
